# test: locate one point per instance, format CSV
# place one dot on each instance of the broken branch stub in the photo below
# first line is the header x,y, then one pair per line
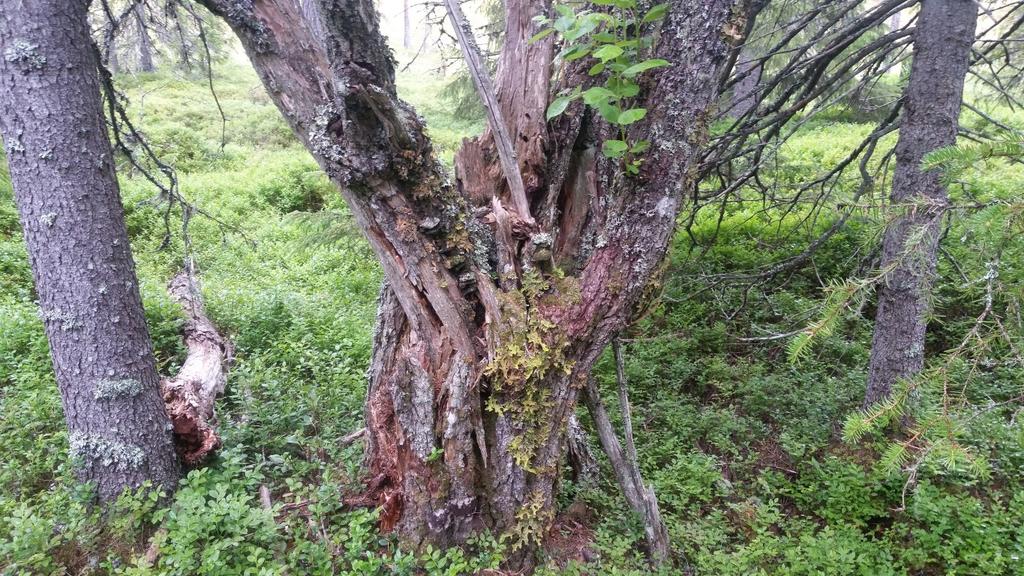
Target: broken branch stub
x,y
495,121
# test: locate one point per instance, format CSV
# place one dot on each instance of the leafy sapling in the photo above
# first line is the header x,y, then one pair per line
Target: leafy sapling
x,y
620,41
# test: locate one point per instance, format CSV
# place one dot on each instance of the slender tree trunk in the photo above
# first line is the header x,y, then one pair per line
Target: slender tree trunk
x,y
71,214
641,498
145,44
480,347
744,92
942,47
178,38
112,62
406,25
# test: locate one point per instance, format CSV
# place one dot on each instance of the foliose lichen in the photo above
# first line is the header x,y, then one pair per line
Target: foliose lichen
x,y
24,54
108,389
67,320
91,449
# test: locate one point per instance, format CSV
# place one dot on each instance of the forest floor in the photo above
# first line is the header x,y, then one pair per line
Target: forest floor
x,y
742,446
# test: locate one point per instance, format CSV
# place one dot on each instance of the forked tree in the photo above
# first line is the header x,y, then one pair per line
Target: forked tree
x,y
498,299
69,206
931,111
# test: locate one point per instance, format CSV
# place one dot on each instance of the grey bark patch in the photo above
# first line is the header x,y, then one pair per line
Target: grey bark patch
x,y
413,398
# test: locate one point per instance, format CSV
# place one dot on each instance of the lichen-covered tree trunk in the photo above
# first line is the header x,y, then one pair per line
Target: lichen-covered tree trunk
x,y
942,47
70,211
491,319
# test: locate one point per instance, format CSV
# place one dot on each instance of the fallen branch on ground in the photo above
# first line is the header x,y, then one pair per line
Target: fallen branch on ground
x,y
189,395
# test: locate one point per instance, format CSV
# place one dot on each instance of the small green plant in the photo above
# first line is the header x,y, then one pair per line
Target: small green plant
x,y
620,41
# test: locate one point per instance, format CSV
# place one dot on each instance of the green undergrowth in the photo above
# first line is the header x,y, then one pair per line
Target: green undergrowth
x,y
742,447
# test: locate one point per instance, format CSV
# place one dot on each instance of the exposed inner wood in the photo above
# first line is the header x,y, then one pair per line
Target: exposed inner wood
x,y
190,394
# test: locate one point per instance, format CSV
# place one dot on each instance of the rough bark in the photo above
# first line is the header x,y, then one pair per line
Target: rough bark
x,y
931,109
70,211
190,394
145,44
480,348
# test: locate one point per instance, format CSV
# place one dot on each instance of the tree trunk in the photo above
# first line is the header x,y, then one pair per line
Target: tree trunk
x,y
406,26
481,346
112,62
744,92
145,45
70,210
942,47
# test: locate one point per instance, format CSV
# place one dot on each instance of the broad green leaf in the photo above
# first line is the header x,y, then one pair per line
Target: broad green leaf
x,y
624,88
541,35
584,26
656,12
596,69
640,146
592,96
576,53
609,111
614,148
644,66
564,23
557,106
607,52
632,115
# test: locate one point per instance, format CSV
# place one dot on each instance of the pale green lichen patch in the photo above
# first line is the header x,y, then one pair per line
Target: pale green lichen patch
x,y
116,388
91,449
66,319
24,54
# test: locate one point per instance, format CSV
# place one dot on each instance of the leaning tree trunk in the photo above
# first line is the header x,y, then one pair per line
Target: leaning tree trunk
x,y
145,44
942,47
70,209
491,318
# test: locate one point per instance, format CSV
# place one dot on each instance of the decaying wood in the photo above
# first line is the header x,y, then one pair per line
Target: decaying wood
x,y
581,458
265,500
453,444
190,394
641,498
495,120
